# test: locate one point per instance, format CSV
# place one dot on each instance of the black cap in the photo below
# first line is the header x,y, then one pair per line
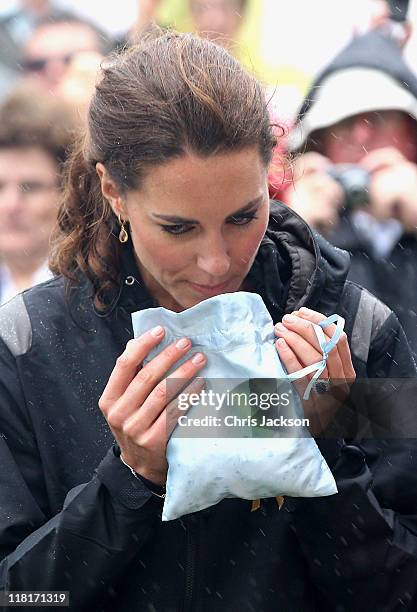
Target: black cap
x,y
398,9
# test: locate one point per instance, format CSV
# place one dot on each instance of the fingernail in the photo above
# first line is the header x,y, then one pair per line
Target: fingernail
x,y
289,319
306,310
281,343
280,327
183,343
198,358
157,331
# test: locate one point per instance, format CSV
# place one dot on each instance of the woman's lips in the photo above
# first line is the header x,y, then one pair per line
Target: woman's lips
x,y
210,289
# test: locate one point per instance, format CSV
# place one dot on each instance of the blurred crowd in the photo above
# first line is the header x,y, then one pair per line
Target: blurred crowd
x,y
346,162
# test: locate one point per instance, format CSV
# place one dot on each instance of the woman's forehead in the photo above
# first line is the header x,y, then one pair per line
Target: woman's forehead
x,y
193,182
191,169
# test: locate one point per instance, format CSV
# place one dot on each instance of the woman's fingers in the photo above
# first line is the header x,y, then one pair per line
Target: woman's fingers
x,y
299,339
168,419
339,359
291,364
146,413
320,408
315,317
127,365
145,449
118,409
154,371
334,368
133,400
339,366
302,328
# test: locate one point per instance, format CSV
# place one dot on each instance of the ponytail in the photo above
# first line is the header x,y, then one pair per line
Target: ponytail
x,y
84,237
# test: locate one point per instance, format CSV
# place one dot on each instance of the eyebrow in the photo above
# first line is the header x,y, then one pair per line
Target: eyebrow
x,y
176,219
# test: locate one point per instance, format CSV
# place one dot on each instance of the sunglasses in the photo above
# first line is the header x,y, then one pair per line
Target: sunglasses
x,y
39,65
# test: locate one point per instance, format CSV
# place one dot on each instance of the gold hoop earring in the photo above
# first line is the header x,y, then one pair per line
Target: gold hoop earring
x,y
123,235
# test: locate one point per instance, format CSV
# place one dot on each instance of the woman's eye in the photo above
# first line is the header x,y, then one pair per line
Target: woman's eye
x,y
180,228
243,219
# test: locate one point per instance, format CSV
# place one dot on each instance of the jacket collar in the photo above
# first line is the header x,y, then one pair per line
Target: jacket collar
x,y
318,269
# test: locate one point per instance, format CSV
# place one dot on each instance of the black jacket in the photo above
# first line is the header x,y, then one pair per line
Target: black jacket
x,y
392,279
72,516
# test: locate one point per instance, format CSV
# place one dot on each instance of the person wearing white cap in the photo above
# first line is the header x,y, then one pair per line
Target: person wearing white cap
x,y
355,169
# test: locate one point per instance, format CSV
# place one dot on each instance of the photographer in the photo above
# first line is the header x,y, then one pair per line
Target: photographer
x,y
356,179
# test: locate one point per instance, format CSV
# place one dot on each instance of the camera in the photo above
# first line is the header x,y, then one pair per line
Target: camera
x,y
354,181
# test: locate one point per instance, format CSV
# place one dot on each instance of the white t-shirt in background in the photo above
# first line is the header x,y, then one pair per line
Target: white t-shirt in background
x,y
7,287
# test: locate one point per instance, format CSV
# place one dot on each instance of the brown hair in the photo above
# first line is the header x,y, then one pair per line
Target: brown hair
x,y
168,95
30,118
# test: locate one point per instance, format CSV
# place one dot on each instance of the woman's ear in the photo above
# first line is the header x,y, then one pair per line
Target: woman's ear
x,y
110,191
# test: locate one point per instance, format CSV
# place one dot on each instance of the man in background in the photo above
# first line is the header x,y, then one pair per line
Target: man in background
x,y
54,44
35,134
15,29
355,172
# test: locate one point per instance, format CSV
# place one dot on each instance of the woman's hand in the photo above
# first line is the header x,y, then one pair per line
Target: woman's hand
x,y
298,347
135,400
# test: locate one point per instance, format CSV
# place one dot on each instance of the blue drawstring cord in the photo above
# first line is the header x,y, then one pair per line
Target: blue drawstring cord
x,y
325,346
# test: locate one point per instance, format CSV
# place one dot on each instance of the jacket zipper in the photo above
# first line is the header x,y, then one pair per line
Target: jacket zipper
x,y
191,563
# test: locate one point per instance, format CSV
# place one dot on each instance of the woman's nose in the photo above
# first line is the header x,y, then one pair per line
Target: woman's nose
x,y
214,260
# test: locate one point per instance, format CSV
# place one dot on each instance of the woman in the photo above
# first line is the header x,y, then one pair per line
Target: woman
x,y
166,203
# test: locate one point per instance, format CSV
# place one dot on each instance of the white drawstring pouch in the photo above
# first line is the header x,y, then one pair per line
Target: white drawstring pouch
x,y
248,461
